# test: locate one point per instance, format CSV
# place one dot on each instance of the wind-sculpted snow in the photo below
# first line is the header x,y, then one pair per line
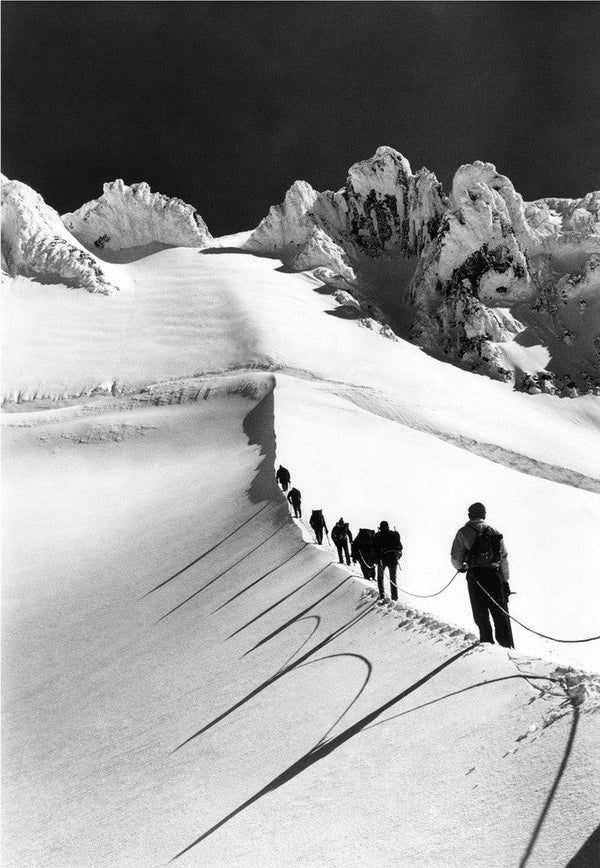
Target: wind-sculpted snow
x,y
132,216
383,209
493,253
35,243
487,266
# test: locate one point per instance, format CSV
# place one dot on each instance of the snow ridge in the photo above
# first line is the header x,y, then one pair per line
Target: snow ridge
x,y
131,216
35,243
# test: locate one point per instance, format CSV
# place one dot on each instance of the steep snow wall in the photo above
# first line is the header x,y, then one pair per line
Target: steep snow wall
x,y
35,243
133,216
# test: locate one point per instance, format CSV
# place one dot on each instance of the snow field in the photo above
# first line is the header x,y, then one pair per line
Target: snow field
x,y
185,678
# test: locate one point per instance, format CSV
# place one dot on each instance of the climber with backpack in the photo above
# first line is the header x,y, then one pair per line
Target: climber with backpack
x,y
283,477
363,553
317,522
479,551
387,549
341,535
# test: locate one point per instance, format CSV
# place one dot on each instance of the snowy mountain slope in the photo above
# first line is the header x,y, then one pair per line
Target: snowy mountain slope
x,y
487,270
35,243
186,680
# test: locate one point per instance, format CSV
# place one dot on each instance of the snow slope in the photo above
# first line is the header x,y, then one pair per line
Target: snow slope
x,y
143,430
186,679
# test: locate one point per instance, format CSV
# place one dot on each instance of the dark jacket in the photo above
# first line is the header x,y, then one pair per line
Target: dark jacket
x,y
340,532
283,474
294,497
387,542
362,546
317,520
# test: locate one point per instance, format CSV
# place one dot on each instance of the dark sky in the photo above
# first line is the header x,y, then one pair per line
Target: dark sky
x,y
225,104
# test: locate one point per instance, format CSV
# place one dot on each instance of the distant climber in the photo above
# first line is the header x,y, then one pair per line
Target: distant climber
x,y
317,522
283,477
295,498
363,553
342,536
478,549
388,551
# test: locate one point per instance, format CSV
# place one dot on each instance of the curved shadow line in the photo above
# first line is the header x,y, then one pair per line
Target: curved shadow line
x,y
332,636
553,789
260,578
458,692
279,602
321,751
208,584
204,554
316,618
369,666
295,618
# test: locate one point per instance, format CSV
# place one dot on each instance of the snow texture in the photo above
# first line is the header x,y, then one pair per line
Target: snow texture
x,y
488,269
36,244
132,216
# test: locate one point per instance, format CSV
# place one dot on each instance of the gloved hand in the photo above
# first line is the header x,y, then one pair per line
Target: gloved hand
x,y
463,569
507,590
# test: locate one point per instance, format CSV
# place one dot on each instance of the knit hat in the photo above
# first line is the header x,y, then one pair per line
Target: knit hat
x,y
477,510
384,525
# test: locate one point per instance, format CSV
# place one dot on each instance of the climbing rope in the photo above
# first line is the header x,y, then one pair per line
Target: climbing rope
x,y
424,596
530,629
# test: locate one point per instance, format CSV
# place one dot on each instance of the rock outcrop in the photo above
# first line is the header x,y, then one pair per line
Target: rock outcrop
x,y
133,216
383,209
499,267
35,243
488,271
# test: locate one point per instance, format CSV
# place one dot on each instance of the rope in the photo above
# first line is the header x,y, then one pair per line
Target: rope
x,y
530,629
424,596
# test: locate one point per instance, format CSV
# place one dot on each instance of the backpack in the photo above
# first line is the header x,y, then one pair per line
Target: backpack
x,y
339,532
485,551
316,518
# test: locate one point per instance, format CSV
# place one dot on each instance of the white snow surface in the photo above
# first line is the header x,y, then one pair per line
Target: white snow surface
x,y
133,216
187,677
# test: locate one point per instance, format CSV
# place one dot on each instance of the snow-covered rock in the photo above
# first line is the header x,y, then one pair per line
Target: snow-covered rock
x,y
487,265
131,216
383,209
320,250
35,243
495,251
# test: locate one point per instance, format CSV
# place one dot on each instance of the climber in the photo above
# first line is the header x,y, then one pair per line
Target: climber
x,y
479,551
388,551
341,535
283,477
317,522
362,552
295,498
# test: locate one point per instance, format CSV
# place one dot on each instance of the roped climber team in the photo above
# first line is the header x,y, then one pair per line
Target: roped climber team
x,y
477,550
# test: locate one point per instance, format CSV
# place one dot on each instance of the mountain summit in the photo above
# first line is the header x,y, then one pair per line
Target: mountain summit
x,y
479,277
